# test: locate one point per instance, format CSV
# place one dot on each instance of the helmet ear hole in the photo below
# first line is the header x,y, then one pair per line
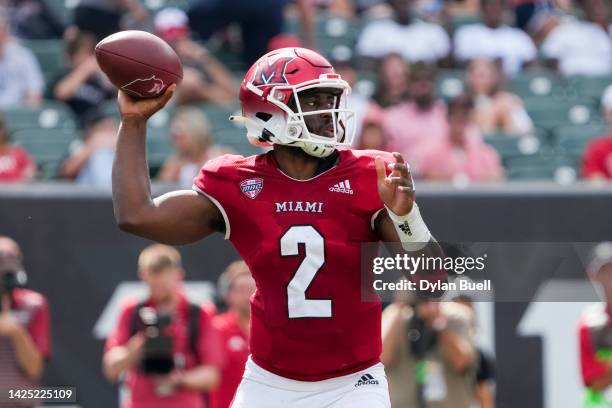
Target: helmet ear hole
x,y
263,116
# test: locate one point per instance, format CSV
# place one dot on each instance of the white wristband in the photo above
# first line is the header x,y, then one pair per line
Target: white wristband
x,y
411,229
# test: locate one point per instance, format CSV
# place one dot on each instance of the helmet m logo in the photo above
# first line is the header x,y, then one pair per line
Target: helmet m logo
x,y
272,72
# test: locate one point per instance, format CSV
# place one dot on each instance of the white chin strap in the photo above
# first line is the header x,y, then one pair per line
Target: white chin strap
x,y
318,150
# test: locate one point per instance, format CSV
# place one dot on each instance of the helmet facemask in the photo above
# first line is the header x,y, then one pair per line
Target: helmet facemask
x,y
291,129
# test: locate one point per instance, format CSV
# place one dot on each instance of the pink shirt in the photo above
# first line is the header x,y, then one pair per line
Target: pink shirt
x,y
409,129
440,160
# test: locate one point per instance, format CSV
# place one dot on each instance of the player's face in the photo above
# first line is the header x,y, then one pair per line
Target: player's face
x,y
319,99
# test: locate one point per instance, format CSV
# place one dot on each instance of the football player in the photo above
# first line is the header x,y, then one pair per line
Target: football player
x,y
298,216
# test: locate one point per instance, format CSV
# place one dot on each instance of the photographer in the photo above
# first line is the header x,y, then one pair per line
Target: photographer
x,y
429,354
165,347
24,323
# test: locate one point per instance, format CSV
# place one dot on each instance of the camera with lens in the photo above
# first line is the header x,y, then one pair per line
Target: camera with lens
x,y
157,358
12,275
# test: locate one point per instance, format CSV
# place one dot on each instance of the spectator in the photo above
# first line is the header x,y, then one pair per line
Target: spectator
x,y
190,362
495,109
90,161
462,154
16,165
372,136
435,339
485,374
236,285
33,19
413,39
419,120
24,324
83,86
392,81
597,160
594,328
565,44
190,132
493,39
259,21
461,8
205,79
526,10
361,104
21,82
105,17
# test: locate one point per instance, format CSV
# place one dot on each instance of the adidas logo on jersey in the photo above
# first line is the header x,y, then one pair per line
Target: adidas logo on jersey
x,y
366,379
342,187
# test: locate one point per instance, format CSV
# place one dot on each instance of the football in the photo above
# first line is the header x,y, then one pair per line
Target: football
x,y
139,63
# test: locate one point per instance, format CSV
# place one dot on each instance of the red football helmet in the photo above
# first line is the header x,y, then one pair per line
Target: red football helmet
x,y
272,85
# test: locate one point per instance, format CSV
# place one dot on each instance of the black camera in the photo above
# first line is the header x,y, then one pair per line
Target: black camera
x,y
157,358
12,275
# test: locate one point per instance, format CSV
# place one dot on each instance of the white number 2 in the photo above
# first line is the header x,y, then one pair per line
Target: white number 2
x,y
314,248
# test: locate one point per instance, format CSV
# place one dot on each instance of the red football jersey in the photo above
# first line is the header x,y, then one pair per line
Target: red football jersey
x,y
302,241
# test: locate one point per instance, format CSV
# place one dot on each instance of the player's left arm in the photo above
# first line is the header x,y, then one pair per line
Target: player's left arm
x,y
400,220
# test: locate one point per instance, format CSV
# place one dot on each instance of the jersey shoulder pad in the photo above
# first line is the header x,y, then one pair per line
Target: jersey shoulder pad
x,y
224,162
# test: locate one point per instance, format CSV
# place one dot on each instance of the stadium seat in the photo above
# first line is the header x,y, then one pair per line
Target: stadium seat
x,y
450,83
543,167
550,112
50,56
512,146
48,147
155,5
159,148
235,138
50,115
589,86
218,115
572,140
461,20
336,37
540,83
62,8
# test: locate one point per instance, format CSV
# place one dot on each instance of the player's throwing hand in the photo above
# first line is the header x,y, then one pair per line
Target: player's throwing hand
x,y
143,108
396,190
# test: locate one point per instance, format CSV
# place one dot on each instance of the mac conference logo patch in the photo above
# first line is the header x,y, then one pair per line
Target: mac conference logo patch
x,y
251,187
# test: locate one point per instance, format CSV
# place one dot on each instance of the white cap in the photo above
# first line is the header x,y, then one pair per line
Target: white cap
x,y
171,20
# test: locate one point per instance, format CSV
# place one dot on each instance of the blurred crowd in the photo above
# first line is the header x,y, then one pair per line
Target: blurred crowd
x,y
467,90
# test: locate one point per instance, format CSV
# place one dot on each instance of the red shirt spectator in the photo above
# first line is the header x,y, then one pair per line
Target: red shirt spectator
x,y
235,344
30,309
142,387
15,164
597,161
